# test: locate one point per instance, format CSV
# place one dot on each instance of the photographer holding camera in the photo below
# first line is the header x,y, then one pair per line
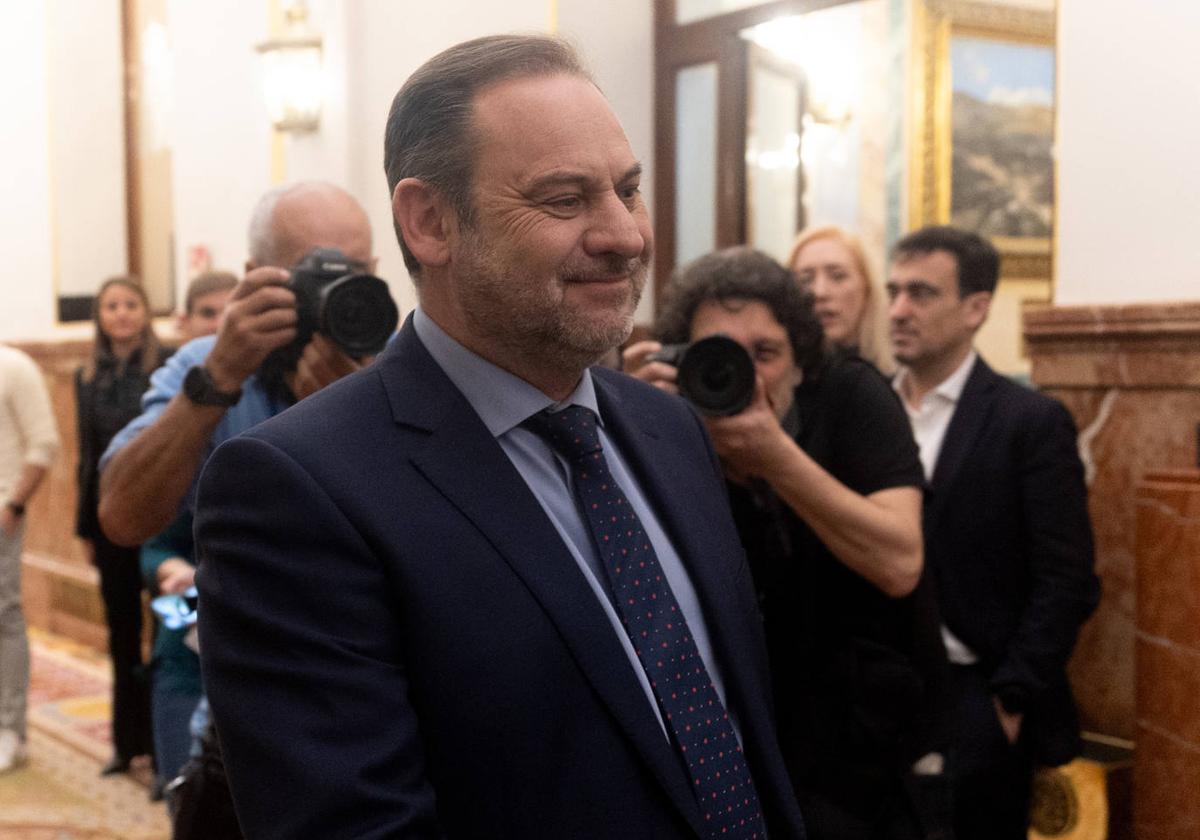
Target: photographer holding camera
x,y
825,485
214,388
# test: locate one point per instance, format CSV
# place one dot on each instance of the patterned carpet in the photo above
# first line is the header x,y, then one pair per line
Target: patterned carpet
x,y
59,794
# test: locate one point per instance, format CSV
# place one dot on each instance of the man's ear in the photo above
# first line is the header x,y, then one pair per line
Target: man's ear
x,y
978,306
422,217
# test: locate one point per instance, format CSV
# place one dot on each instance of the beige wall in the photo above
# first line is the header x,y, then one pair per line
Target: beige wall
x,y
222,157
1128,133
1129,124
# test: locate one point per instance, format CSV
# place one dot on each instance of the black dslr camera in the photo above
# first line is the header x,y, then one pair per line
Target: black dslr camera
x,y
336,297
716,374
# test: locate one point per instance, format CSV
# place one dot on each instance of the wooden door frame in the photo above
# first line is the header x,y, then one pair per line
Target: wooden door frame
x,y
676,46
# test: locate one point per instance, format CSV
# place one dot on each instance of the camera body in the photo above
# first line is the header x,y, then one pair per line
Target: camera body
x,y
336,297
716,374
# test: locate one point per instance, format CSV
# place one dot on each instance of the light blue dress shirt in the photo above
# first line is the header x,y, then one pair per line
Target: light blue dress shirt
x,y
255,406
502,402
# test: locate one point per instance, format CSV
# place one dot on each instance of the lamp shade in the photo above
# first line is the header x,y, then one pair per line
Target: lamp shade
x,y
292,81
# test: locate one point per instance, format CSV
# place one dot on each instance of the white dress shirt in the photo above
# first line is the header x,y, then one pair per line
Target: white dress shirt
x,y
930,419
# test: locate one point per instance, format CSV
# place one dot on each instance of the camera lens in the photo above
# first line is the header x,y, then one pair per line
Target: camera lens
x,y
358,313
717,375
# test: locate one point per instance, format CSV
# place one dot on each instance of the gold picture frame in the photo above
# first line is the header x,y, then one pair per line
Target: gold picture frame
x,y
935,24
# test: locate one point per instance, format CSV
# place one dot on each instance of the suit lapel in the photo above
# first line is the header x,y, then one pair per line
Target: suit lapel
x,y
970,416
459,451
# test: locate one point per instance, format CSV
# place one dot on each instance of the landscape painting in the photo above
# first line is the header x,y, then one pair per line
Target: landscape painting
x,y
1002,119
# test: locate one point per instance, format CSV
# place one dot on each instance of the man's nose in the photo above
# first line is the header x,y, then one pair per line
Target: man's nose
x,y
900,307
616,229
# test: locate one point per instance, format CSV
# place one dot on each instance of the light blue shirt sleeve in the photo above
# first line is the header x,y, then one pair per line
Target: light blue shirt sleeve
x,y
255,406
165,383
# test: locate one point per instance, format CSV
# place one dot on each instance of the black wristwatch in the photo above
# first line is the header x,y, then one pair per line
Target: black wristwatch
x,y
17,508
199,387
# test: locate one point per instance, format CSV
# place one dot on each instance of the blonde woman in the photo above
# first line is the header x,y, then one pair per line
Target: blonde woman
x,y
831,264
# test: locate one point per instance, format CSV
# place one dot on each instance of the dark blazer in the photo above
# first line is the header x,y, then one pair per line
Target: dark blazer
x,y
396,642
1009,541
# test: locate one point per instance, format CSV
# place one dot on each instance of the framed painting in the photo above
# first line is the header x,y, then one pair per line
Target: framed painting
x,y
983,127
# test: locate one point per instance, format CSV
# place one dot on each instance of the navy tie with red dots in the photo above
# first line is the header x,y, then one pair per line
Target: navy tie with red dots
x,y
693,711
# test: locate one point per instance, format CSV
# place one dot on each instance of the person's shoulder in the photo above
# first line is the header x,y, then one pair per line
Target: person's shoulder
x,y
1024,408
16,358
320,419
1019,396
193,352
847,367
637,394
856,380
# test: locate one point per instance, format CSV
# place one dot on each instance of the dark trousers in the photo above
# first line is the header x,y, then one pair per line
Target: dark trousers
x,y
992,779
121,589
172,709
891,817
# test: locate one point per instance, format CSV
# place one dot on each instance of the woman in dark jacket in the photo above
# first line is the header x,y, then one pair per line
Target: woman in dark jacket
x,y
108,392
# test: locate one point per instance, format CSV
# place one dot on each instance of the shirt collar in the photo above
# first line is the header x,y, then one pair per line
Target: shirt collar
x,y
501,399
950,388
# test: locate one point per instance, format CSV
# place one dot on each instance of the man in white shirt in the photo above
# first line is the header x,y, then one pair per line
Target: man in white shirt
x,y
28,445
1007,534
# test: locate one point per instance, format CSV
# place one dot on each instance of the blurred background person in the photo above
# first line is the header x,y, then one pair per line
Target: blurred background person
x,y
825,485
168,568
830,262
28,445
108,392
206,298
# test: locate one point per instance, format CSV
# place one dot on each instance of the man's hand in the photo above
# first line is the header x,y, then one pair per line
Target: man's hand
x,y
659,374
320,364
175,575
751,443
261,317
1010,722
9,521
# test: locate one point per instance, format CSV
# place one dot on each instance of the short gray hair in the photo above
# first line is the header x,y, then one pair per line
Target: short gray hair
x,y
428,132
264,246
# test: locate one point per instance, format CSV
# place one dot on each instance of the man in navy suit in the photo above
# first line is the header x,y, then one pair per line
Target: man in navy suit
x,y
479,590
1007,534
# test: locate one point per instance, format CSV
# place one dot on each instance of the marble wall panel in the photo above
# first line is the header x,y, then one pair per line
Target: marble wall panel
x,y
1130,375
1167,756
1165,789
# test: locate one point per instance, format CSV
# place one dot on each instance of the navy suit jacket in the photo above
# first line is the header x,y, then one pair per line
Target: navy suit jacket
x,y
1009,542
396,642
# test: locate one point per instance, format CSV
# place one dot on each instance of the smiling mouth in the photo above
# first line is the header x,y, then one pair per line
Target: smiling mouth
x,y
610,279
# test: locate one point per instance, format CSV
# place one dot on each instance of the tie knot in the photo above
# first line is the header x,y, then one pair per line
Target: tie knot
x,y
571,432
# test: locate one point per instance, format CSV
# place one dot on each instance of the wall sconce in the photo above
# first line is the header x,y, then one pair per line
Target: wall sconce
x,y
292,80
